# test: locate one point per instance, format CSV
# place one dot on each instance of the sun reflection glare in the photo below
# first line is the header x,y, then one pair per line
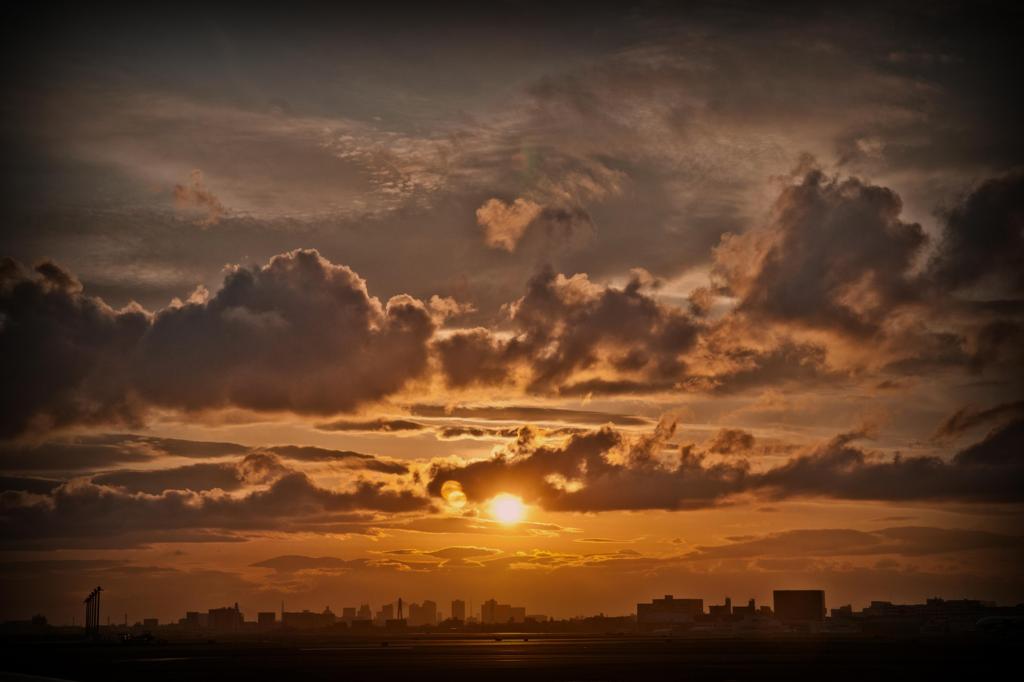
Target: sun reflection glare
x,y
508,508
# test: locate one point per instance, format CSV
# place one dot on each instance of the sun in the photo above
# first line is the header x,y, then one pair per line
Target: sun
x,y
508,508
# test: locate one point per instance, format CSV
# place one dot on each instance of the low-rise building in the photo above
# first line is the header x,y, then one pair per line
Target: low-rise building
x,y
668,612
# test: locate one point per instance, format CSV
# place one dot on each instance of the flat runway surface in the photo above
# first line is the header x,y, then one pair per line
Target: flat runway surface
x,y
541,658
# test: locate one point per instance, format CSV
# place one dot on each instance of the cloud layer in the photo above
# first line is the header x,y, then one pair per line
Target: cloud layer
x,y
606,470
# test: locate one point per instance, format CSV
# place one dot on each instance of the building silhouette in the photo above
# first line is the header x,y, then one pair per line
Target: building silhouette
x,y
422,614
745,611
225,618
491,612
195,619
308,620
667,612
799,606
721,611
459,610
386,613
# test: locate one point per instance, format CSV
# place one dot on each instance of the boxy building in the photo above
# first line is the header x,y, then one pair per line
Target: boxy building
x,y
668,612
799,606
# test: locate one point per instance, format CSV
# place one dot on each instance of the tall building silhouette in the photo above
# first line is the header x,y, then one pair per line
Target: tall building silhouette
x,y
493,612
423,614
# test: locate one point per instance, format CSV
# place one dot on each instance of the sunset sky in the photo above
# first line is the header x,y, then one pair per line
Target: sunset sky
x,y
714,301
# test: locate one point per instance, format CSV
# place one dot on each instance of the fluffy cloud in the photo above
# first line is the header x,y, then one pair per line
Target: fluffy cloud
x,y
298,333
835,254
504,224
595,471
304,335
566,325
63,352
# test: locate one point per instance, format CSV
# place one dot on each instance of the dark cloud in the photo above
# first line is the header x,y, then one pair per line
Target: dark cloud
x,y
183,448
372,425
604,470
983,239
85,454
967,418
190,477
988,471
491,432
97,452
93,452
600,470
565,325
85,514
39,486
528,413
613,387
63,352
253,469
298,333
732,367
998,343
355,460
731,441
459,432
835,255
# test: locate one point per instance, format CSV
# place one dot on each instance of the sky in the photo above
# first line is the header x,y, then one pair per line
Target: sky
x,y
562,305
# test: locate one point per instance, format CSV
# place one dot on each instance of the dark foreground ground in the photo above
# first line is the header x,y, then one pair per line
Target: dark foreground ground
x,y
414,659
